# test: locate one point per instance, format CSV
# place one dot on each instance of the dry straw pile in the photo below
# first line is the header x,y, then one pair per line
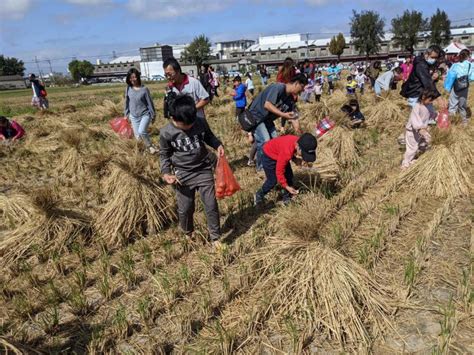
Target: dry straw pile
x,y
51,226
436,173
137,203
322,290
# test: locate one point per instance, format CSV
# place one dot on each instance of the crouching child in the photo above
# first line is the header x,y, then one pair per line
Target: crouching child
x,y
277,154
187,164
352,110
416,129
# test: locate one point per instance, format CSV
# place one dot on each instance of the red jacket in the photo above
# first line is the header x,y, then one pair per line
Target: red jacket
x,y
282,149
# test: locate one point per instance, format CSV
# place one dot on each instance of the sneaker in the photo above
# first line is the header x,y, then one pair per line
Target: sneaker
x,y
250,162
152,150
432,122
401,140
259,198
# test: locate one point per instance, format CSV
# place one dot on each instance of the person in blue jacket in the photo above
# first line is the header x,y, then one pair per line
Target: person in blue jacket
x,y
457,83
238,95
333,73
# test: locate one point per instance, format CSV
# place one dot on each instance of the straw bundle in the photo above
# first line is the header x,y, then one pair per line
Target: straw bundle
x,y
314,112
71,162
49,227
341,142
138,204
462,147
336,100
109,109
326,165
387,112
436,173
322,290
14,209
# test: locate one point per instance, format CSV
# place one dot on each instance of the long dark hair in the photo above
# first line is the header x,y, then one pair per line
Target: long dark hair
x,y
464,54
137,74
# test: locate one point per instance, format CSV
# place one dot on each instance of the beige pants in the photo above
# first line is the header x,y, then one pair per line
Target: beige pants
x,y
412,141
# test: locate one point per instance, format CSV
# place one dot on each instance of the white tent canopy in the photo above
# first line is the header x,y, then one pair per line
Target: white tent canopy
x,y
454,48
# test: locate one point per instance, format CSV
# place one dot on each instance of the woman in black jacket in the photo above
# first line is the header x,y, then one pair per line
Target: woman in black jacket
x,y
420,78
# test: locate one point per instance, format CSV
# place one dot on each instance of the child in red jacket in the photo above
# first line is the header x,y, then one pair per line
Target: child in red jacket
x,y
277,154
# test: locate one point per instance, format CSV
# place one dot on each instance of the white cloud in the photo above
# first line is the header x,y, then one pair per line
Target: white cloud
x,y
154,9
14,9
317,2
89,2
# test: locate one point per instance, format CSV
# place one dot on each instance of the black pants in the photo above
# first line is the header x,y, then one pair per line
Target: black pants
x,y
318,97
269,166
239,110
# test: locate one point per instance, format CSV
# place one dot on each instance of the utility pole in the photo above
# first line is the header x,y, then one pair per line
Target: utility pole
x,y
37,66
51,75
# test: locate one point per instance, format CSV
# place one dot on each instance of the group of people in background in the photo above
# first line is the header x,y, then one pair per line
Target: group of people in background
x,y
187,164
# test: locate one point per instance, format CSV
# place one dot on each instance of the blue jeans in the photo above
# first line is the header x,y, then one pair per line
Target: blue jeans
x,y
262,134
140,128
269,166
264,80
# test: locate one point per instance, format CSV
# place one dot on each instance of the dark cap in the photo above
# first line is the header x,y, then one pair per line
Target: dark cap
x,y
308,144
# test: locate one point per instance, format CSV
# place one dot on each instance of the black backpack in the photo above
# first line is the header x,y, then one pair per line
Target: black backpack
x,y
170,97
462,82
247,121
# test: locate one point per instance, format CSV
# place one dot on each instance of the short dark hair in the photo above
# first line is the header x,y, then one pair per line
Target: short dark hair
x,y
137,74
237,78
435,48
349,78
464,54
354,102
428,94
300,78
184,109
171,61
3,120
32,76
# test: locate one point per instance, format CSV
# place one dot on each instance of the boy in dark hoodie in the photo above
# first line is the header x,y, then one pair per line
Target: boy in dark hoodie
x,y
186,163
277,154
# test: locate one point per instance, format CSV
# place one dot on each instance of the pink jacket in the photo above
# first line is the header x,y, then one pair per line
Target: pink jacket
x,y
13,131
419,118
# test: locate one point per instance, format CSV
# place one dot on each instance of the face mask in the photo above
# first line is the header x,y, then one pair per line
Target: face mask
x,y
431,61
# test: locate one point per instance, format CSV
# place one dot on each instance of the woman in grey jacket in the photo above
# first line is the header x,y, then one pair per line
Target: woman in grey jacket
x,y
139,108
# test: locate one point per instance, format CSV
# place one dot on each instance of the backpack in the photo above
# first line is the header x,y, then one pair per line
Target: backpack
x,y
462,82
170,97
247,121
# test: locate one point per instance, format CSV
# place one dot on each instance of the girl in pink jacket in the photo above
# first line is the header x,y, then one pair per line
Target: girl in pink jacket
x,y
10,129
417,127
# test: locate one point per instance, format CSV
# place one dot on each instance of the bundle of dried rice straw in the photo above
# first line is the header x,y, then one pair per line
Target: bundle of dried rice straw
x,y
341,142
109,109
387,113
138,204
50,226
14,209
326,165
322,289
436,173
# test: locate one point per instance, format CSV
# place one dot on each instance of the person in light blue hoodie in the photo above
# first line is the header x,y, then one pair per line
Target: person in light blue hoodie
x,y
457,83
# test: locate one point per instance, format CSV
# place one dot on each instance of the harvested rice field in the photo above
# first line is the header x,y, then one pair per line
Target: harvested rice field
x,y
367,258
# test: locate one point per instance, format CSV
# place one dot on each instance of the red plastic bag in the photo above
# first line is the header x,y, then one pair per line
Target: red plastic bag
x,y
226,184
443,119
122,127
324,126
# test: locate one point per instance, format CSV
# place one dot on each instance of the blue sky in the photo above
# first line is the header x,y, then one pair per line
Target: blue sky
x,y
86,29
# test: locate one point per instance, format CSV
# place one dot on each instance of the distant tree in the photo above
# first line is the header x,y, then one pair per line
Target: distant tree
x,y
11,66
198,51
367,31
440,28
405,29
337,44
80,69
